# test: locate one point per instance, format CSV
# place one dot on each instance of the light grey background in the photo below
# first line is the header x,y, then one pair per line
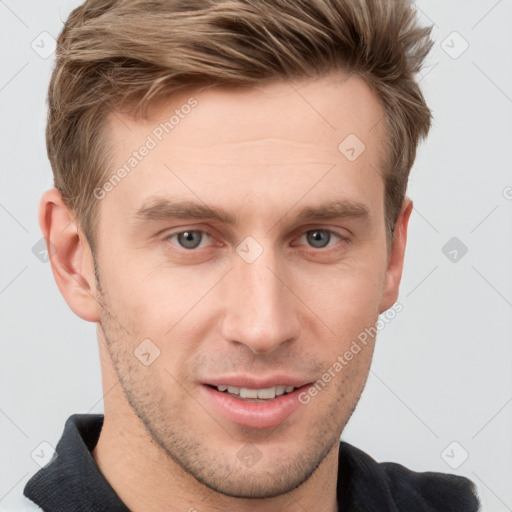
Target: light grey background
x,y
442,367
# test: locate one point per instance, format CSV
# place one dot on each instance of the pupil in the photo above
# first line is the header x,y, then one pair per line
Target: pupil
x,y
318,238
189,239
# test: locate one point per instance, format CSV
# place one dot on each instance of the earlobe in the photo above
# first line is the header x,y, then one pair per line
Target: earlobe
x,y
396,258
70,256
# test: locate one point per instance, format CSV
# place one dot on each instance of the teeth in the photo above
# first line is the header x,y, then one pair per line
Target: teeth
x,y
249,393
266,393
262,394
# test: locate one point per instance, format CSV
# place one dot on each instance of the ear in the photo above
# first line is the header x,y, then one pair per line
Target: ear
x,y
396,257
70,255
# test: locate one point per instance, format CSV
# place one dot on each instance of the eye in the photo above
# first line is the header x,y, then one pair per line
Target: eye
x,y
189,239
321,238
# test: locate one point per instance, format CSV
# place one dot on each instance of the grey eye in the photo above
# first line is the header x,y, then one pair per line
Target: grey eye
x,y
190,239
318,238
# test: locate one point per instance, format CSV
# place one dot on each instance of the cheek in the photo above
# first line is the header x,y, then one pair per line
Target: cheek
x,y
155,295
347,298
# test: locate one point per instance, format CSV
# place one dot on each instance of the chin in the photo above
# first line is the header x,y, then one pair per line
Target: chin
x,y
249,483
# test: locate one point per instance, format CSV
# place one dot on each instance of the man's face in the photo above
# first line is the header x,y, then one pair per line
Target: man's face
x,y
266,295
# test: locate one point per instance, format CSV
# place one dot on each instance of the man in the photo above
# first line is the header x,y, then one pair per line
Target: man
x,y
230,211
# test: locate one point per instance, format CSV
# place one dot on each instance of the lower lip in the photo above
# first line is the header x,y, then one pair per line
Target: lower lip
x,y
263,414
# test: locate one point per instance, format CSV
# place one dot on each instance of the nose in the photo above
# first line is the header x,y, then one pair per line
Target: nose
x,y
261,309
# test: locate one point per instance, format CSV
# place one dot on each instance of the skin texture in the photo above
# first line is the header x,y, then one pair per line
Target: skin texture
x,y
261,154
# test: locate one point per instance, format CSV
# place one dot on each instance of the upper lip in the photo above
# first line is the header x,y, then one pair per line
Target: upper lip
x,y
253,382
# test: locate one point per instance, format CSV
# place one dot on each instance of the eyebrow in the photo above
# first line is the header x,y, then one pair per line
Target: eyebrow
x,y
160,209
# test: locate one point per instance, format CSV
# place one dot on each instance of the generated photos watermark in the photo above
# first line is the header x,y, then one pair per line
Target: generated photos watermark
x,y
343,359
151,142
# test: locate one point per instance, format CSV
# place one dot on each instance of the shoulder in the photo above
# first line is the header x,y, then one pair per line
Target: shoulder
x,y
438,491
402,488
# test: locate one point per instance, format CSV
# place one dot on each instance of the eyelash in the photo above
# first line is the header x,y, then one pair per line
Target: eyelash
x,y
341,238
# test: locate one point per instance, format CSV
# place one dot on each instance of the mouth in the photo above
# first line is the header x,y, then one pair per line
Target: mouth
x,y
257,407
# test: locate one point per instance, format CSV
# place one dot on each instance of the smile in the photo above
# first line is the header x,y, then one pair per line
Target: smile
x,y
254,407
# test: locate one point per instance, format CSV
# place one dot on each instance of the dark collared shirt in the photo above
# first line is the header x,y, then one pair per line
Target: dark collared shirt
x,y
73,482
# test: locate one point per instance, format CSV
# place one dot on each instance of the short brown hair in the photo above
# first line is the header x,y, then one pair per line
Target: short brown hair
x,y
116,52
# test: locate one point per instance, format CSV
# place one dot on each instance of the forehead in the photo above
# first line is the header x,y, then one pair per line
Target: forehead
x,y
268,145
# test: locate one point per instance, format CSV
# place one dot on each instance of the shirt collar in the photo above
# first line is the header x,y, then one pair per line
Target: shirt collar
x,y
72,480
